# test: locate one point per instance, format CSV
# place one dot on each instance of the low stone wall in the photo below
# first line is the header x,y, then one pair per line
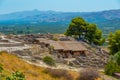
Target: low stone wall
x,y
4,41
11,44
96,60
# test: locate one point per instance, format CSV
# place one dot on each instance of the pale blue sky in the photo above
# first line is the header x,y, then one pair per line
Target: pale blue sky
x,y
7,6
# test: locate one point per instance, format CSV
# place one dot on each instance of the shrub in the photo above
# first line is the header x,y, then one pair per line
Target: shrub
x,y
16,76
58,73
1,68
117,56
55,39
49,61
51,47
3,52
113,65
88,74
111,68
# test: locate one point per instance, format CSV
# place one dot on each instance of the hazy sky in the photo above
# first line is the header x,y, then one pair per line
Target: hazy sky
x,y
7,6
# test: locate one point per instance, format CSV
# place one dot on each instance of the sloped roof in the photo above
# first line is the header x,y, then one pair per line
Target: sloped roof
x,y
64,45
56,45
43,40
72,46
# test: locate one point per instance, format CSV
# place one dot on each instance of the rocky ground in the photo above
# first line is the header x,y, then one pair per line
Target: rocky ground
x,y
65,67
96,58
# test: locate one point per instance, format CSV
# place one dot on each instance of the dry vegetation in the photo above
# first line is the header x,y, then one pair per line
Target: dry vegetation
x,y
88,74
58,73
12,63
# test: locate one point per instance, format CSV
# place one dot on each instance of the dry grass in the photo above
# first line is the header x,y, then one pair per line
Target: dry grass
x,y
88,74
12,63
59,73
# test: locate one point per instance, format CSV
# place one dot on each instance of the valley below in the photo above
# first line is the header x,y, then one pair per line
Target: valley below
x,y
35,21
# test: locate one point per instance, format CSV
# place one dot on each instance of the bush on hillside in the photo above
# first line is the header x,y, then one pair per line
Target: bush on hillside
x,y
49,61
114,43
52,47
55,39
88,74
16,76
3,52
113,65
1,68
117,57
111,68
58,73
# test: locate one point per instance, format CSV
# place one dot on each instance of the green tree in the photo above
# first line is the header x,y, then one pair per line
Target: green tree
x,y
84,30
113,65
76,27
98,38
111,68
117,58
114,42
114,45
90,32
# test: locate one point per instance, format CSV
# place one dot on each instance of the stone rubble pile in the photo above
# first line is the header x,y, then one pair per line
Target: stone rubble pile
x,y
96,59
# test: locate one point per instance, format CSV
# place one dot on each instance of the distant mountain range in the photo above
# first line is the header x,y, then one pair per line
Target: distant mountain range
x,y
57,22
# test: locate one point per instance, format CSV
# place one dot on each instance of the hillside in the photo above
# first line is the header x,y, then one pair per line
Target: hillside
x,y
35,21
52,16
12,63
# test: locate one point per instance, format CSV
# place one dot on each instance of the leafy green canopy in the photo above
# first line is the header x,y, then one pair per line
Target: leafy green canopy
x,y
111,68
114,42
83,30
49,60
113,65
1,68
16,76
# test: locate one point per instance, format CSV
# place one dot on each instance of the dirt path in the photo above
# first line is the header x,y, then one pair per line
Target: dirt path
x,y
59,66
